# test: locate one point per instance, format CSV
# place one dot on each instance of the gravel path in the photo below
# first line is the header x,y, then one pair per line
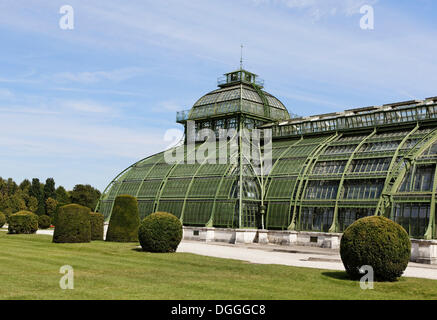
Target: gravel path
x,y
307,257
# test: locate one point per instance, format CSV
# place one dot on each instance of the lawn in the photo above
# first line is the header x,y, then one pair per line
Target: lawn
x,y
29,269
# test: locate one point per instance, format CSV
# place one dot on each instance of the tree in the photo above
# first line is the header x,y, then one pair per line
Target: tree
x,y
37,192
49,193
32,204
51,207
4,201
25,185
49,189
62,196
85,195
11,187
16,202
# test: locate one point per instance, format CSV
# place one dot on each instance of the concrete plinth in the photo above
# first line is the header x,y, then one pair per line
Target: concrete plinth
x,y
201,234
282,237
424,251
263,237
245,235
319,239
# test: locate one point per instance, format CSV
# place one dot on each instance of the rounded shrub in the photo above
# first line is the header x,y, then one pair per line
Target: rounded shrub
x,y
44,222
96,220
377,242
160,232
125,220
72,224
23,222
2,220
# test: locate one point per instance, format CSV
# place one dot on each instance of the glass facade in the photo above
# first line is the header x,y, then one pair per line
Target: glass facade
x,y
327,171
414,217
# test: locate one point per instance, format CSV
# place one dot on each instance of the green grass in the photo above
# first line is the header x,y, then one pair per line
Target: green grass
x,y
29,269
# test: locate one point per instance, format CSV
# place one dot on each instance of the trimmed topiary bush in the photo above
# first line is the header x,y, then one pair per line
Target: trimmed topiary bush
x,y
160,232
96,220
23,222
378,242
125,220
72,224
2,220
44,222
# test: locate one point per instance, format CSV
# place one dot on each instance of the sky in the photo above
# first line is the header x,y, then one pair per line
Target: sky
x,y
81,105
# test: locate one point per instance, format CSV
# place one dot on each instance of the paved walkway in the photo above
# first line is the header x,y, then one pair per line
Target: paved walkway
x,y
297,256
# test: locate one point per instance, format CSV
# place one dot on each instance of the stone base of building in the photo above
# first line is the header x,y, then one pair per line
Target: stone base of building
x,y
422,251
246,236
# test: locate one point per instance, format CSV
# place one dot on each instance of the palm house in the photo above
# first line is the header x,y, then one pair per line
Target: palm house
x,y
326,170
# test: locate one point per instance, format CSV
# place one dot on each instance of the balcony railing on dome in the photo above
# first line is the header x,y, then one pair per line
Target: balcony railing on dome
x,y
240,76
182,115
224,80
247,107
221,80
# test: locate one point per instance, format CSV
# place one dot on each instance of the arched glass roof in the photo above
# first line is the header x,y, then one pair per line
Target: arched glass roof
x,y
239,98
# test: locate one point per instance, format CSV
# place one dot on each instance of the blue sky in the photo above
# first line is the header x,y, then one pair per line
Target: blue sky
x,y
81,105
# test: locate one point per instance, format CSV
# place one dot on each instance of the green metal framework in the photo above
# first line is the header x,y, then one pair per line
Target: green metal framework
x,y
328,170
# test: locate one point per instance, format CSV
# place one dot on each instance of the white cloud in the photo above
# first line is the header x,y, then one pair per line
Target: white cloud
x,y
101,91
6,94
87,106
14,109
118,75
320,8
169,106
71,137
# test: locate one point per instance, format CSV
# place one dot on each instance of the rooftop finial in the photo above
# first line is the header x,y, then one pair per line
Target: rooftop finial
x,y
241,58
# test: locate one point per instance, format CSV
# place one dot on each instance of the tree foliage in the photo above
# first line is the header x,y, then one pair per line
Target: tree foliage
x,y
36,190
42,199
51,207
44,222
25,185
62,196
2,220
49,189
32,204
85,195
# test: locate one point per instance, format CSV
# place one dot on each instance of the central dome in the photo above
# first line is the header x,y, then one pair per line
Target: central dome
x,y
240,92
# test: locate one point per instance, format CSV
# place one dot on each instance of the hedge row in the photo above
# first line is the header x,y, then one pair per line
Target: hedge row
x,y
125,220
23,222
97,223
72,224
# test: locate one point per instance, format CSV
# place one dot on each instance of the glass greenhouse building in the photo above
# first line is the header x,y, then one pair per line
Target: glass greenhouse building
x,y
327,170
